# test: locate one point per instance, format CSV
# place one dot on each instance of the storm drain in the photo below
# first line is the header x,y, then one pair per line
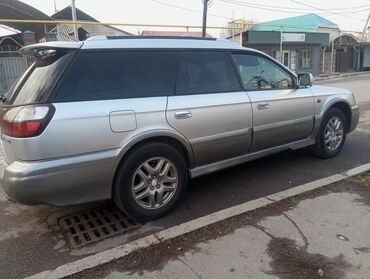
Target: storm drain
x,y
94,225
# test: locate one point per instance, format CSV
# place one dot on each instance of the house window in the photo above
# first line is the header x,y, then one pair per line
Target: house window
x,y
306,58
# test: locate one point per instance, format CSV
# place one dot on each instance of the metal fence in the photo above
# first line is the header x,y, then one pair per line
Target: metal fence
x,y
12,66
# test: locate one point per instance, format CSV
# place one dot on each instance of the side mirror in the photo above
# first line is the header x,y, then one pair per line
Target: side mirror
x,y
305,80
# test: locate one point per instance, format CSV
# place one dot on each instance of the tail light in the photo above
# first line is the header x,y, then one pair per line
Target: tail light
x,y
26,121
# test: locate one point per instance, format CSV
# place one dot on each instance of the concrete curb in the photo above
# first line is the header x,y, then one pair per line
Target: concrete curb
x,y
125,249
341,76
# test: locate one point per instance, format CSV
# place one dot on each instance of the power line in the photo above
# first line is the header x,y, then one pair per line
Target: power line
x,y
272,8
267,7
259,7
303,9
321,9
189,10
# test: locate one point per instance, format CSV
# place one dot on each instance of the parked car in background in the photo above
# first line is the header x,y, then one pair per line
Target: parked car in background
x,y
132,119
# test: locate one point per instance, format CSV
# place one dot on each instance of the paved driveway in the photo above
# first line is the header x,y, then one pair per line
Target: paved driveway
x,y
30,241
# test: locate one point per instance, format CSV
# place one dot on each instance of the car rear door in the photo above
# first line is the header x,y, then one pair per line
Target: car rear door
x,y
209,106
282,112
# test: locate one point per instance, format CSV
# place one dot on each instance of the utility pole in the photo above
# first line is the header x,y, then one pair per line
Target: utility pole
x,y
364,32
55,6
74,18
204,26
55,11
241,32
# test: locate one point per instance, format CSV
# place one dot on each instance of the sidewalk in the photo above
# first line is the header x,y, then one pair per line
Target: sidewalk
x,y
320,234
334,76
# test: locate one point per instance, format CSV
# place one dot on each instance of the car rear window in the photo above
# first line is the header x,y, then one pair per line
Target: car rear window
x,y
206,72
37,82
104,75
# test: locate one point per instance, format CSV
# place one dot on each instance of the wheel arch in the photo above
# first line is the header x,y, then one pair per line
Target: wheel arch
x,y
163,136
341,104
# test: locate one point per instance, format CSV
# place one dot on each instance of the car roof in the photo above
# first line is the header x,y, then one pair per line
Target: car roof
x,y
158,42
138,42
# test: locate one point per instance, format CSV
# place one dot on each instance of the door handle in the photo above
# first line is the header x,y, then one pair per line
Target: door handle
x,y
263,106
183,114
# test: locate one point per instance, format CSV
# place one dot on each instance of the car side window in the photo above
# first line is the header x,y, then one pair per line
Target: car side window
x,y
104,75
206,72
259,73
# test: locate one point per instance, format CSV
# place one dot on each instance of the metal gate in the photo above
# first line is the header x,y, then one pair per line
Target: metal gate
x,y
12,66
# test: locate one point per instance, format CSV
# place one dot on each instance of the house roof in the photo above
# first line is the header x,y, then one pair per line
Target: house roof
x,y
174,33
66,14
304,23
14,9
65,31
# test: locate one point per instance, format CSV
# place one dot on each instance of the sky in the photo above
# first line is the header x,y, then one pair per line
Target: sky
x,y
349,15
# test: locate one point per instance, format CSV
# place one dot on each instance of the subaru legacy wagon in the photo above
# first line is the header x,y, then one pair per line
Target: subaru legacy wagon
x,y
132,119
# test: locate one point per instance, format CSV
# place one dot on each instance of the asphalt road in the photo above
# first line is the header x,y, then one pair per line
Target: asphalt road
x,y
30,241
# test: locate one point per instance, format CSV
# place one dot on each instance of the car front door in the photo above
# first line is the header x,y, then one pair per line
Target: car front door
x,y
282,112
210,107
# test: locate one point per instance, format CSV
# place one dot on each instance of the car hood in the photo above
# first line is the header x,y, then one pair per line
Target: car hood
x,y
326,90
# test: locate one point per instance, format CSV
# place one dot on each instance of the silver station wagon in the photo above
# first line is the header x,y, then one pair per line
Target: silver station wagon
x,y
132,119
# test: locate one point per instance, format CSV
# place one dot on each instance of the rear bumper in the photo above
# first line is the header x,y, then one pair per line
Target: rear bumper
x,y
61,182
355,118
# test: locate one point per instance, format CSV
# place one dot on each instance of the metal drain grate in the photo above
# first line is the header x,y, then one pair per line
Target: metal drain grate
x,y
94,225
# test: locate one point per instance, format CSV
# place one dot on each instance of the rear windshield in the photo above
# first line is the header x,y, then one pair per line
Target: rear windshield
x,y
37,82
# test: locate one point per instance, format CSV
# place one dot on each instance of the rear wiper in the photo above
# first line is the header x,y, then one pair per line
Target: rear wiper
x,y
2,98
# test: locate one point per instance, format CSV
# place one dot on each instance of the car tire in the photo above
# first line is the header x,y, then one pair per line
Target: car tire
x,y
327,143
151,181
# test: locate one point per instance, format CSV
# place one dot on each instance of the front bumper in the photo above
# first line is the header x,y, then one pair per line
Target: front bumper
x,y
61,182
355,118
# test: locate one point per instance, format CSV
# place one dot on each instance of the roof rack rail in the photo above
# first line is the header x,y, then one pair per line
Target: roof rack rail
x,y
159,37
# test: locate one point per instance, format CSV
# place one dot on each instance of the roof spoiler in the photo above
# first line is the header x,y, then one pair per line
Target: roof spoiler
x,y
33,50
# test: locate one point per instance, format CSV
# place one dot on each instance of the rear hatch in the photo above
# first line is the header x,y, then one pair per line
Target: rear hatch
x,y
24,109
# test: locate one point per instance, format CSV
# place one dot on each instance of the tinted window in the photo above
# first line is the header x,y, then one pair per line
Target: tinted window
x,y
36,84
258,72
206,72
117,75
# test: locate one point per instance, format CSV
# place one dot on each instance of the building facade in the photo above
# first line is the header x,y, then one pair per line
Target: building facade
x,y
301,52
365,57
310,43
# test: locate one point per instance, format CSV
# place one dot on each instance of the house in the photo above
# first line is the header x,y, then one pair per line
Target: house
x,y
14,36
65,32
311,23
174,33
346,56
14,9
236,25
11,43
302,39
365,57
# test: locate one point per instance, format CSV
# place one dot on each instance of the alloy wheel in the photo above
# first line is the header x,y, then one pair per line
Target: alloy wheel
x,y
333,134
154,183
